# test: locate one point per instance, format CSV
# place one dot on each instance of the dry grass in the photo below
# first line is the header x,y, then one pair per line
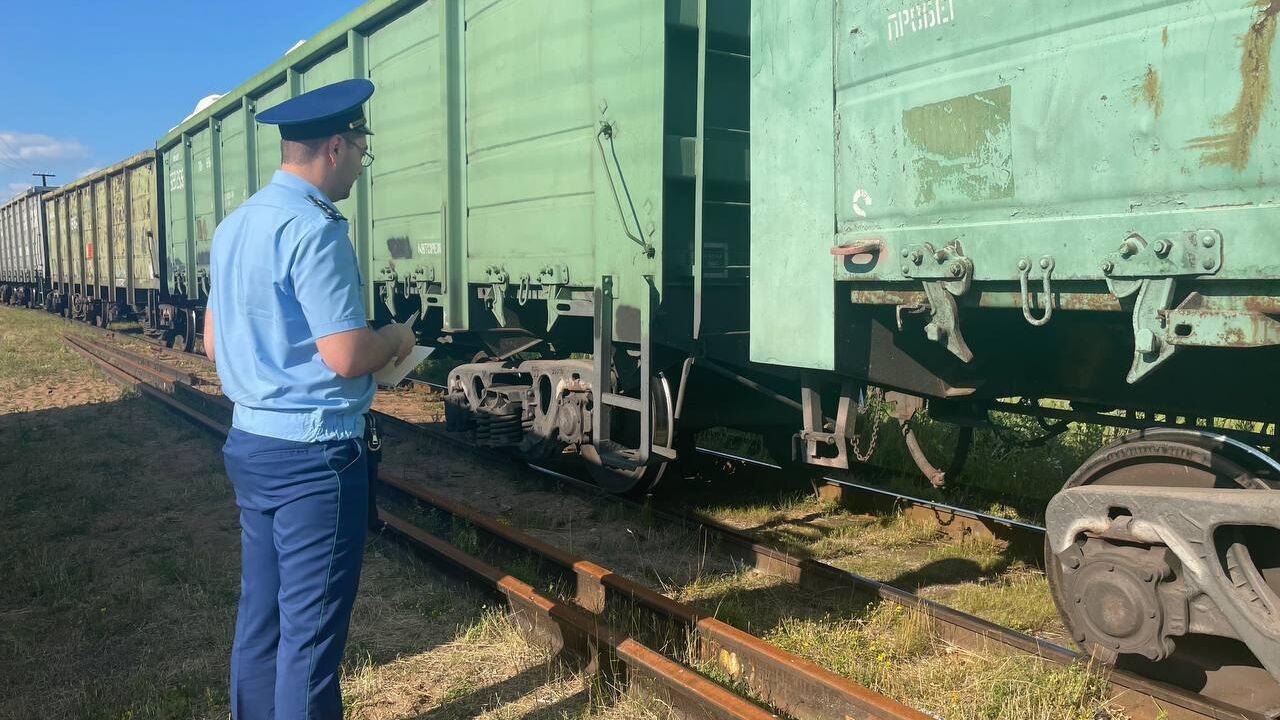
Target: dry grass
x,y
1018,600
893,650
783,510
975,576
487,671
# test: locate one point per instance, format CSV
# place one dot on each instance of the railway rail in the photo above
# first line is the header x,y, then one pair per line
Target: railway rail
x,y
959,523
792,684
1140,697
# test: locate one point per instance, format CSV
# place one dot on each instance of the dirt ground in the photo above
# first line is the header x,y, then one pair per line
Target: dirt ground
x,y
121,570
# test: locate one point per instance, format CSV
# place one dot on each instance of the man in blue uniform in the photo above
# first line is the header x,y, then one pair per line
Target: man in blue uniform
x,y
294,352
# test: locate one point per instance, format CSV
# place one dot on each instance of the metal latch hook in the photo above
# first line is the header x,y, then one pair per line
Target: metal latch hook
x,y
1024,270
524,292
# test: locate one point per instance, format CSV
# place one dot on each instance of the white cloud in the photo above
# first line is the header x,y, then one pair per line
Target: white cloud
x,y
88,170
18,147
17,187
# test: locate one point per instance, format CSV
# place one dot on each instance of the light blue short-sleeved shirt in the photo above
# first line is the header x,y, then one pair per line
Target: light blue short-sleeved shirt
x,y
283,273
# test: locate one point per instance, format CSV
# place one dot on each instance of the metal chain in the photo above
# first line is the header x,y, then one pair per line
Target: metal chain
x,y
873,416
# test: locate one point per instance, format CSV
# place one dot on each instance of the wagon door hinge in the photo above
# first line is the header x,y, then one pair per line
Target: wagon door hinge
x,y
945,274
1149,269
553,279
1155,297
425,285
388,282
498,282
420,283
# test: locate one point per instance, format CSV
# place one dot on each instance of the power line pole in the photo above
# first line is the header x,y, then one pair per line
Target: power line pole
x,y
44,178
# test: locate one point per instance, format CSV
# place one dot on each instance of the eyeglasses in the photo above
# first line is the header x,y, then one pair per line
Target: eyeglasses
x,y
366,157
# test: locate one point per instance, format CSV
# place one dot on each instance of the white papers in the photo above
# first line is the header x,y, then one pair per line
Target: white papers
x,y
394,373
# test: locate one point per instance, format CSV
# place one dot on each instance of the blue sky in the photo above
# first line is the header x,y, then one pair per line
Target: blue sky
x,y
86,83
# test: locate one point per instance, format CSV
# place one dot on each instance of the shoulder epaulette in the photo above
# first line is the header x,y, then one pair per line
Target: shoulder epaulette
x,y
329,211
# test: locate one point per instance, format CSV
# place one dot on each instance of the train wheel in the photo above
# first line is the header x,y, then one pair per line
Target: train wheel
x,y
183,337
180,340
1121,600
639,480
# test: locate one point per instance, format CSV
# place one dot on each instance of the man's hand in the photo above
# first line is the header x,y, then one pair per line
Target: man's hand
x,y
400,335
362,351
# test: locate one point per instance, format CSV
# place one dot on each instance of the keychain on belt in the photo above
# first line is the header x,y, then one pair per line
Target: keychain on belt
x,y
375,437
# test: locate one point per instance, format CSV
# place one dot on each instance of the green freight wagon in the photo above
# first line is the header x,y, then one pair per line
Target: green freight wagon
x,y
103,243
1078,200
24,268
556,179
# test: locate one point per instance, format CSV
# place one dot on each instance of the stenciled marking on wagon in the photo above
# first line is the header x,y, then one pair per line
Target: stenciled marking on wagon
x,y
920,16
861,199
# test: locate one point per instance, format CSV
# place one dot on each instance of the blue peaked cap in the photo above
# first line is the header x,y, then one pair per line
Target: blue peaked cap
x,y
328,110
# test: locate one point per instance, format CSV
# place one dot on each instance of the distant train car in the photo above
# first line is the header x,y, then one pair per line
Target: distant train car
x,y
104,244
24,261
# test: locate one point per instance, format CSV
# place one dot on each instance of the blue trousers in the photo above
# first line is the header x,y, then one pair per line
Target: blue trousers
x,y
303,513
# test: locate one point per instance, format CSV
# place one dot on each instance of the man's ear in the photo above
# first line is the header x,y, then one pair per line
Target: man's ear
x,y
335,146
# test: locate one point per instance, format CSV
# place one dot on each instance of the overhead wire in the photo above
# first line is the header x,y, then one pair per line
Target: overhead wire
x,y
7,153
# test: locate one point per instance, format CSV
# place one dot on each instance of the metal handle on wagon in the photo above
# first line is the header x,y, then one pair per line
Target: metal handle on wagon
x,y
863,247
1024,270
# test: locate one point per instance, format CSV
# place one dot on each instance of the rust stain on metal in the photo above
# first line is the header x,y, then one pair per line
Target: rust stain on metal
x,y
1102,300
1233,146
1261,304
1151,91
1164,36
